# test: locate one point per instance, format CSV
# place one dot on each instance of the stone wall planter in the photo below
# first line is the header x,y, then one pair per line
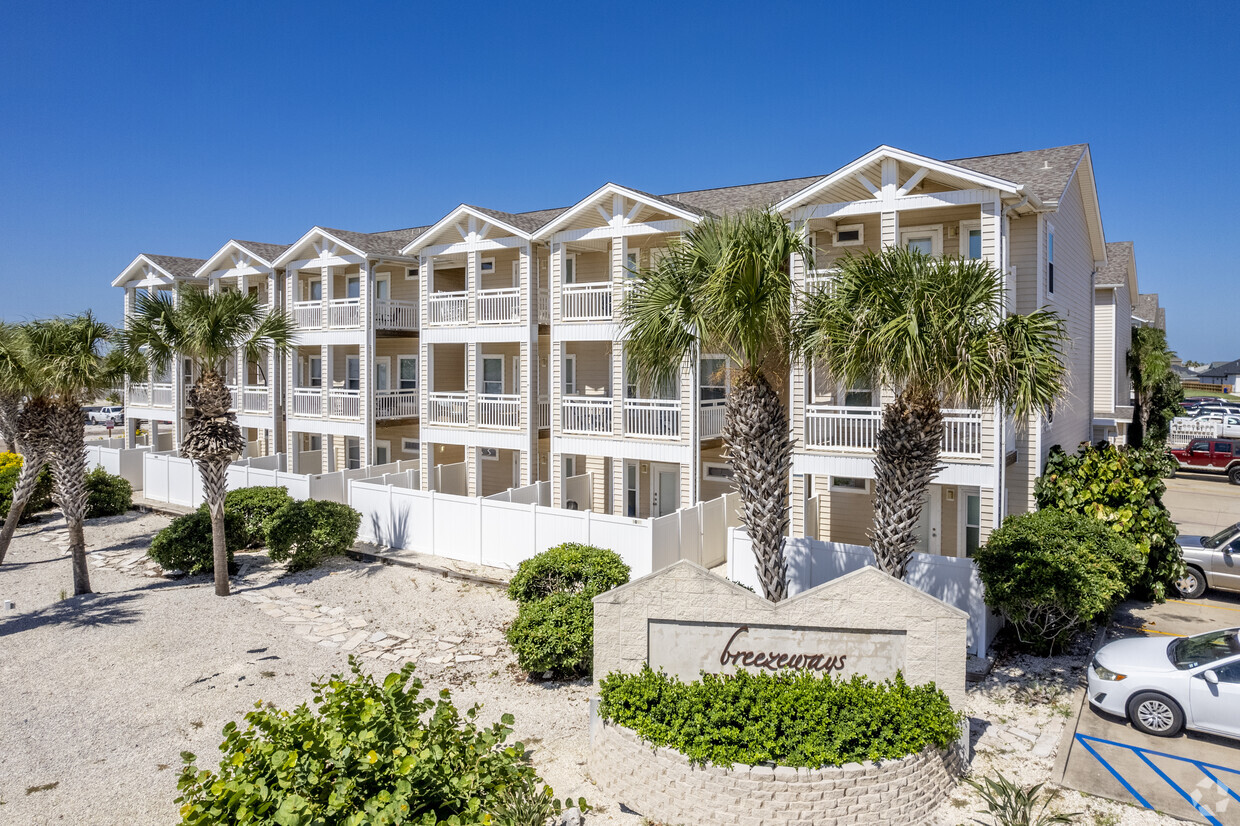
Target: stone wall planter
x,y
661,784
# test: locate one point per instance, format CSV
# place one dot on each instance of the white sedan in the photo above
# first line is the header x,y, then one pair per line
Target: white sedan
x,y
1164,686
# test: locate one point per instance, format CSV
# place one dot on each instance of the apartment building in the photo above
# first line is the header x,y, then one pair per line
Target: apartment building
x,y
1115,291
488,344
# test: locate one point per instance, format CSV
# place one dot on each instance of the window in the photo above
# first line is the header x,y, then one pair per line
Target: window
x,y
848,484
352,373
408,367
927,240
632,263
971,239
315,288
1229,673
717,472
712,378
410,447
570,269
849,235
383,374
630,489
1199,445
516,272
382,291
860,394
352,452
1050,259
353,287
570,466
488,454
486,265
493,375
411,274
314,441
972,523
315,376
570,375
1223,448
383,452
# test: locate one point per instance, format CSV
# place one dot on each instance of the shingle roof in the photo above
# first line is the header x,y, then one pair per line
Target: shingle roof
x,y
1045,171
524,221
1115,273
1231,368
733,198
267,252
378,243
1146,308
178,267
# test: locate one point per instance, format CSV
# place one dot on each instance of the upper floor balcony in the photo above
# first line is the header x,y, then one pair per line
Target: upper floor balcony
x,y
336,314
494,306
834,428
586,302
336,403
156,394
253,399
641,418
395,314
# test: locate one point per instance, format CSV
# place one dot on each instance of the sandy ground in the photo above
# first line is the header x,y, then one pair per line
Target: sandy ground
x,y
100,694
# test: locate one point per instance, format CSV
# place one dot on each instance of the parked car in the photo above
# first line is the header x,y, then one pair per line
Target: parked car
x,y
1163,687
1229,423
1221,455
1210,562
1214,410
107,415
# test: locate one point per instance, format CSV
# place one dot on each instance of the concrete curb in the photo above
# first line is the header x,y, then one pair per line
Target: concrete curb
x,y
1066,741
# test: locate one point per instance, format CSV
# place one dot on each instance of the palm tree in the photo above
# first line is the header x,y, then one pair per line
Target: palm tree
x,y
208,329
69,363
1156,390
22,419
935,331
726,287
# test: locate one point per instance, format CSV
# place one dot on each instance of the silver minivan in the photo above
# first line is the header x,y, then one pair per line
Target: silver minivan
x,y
1210,562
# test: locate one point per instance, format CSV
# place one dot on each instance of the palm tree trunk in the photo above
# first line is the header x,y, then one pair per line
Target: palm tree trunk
x,y
67,443
755,428
906,461
29,427
214,489
27,481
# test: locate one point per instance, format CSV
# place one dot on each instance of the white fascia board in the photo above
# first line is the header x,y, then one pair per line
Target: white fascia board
x,y
290,254
1093,212
125,277
547,230
450,220
213,264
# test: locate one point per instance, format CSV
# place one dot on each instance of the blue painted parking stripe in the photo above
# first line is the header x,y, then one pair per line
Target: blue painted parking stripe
x,y
1080,738
1206,813
1197,763
1220,783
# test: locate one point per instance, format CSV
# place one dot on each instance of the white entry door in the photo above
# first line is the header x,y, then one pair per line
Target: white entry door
x,y
929,528
664,490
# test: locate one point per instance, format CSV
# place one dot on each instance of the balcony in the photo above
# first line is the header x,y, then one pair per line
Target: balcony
x,y
544,307
391,314
308,401
499,411
161,395
586,415
831,427
587,302
449,409
255,399
544,412
236,393
499,306
658,418
448,308
308,315
396,404
820,280
344,404
139,395
344,312
710,418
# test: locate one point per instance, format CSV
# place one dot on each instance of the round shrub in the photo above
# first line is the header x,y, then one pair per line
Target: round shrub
x,y
106,494
568,568
1052,572
555,634
186,544
367,753
254,506
40,500
790,718
306,533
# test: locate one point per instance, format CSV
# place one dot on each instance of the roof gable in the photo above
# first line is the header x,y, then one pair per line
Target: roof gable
x,y
584,208
1120,269
164,270
242,253
518,225
1046,172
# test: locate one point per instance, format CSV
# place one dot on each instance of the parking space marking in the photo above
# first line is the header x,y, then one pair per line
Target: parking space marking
x,y
1200,605
1145,629
1207,769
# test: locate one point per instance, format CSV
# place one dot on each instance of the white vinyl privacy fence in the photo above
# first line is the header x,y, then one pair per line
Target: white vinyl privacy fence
x,y
115,458
812,562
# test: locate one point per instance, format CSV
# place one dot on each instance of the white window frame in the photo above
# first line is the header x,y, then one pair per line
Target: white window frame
x,y
486,265
348,360
482,374
849,489
488,454
935,231
386,445
386,361
962,520
569,265
1050,259
567,462
728,478
308,286
310,378
349,279
416,374
516,271
412,273
631,477
569,358
835,236
349,443
410,447
383,278
727,374
636,255
965,228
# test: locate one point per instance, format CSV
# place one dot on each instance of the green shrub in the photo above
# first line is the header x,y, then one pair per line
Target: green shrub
x,y
186,544
40,500
367,754
255,506
306,533
790,718
568,568
1124,488
554,628
107,495
555,634
1052,572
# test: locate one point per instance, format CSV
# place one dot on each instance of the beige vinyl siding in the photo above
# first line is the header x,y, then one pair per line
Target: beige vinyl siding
x,y
501,277
825,254
449,278
448,373
404,429
852,515
1123,340
592,267
507,351
949,534
444,454
593,366
1024,262
497,474
713,489
1104,350
399,288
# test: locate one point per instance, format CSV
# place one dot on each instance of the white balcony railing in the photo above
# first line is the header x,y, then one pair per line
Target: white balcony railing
x,y
391,314
652,417
255,399
396,404
161,395
587,302
451,409
139,395
544,411
308,315
495,410
344,404
448,308
237,396
710,418
856,428
821,280
344,312
307,401
499,306
544,308
585,414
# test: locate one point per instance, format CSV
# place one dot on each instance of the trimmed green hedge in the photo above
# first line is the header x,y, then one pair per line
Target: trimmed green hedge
x,y
106,494
254,506
570,568
186,544
790,718
306,533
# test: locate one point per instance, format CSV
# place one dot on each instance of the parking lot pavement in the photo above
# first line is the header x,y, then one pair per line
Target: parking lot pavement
x,y
1202,503
1192,776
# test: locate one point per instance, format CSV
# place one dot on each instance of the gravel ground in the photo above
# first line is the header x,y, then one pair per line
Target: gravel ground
x,y
100,694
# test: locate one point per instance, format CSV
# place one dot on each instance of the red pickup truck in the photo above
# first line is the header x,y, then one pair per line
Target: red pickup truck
x,y
1221,455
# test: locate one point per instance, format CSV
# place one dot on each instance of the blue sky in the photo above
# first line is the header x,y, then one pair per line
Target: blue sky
x,y
169,128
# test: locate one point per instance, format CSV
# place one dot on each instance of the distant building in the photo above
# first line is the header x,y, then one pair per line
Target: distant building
x,y
1148,313
1222,373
